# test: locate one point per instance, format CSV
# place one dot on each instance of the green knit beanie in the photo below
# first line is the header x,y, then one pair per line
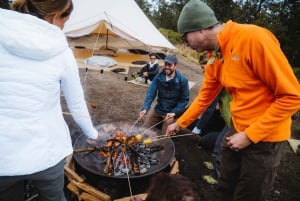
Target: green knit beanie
x,y
195,15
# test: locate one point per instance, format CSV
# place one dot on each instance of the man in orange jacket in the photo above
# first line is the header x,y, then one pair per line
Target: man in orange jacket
x,y
248,62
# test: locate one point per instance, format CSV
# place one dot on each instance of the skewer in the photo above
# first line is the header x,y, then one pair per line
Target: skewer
x,y
92,105
173,136
156,138
84,149
155,125
129,185
78,115
133,125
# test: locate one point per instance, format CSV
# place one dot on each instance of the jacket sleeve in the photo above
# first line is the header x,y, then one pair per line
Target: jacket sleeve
x,y
273,69
73,92
209,91
183,99
151,94
155,70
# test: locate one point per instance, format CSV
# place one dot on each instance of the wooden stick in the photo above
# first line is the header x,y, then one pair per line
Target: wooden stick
x,y
78,115
84,149
173,136
133,125
92,190
155,125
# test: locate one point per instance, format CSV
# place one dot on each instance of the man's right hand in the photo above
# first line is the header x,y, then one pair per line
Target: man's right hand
x,y
172,129
143,113
145,74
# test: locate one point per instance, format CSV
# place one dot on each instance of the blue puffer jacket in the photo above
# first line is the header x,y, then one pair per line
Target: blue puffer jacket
x,y
172,96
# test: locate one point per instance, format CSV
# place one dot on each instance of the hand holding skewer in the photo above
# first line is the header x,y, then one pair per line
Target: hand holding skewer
x,y
172,129
169,118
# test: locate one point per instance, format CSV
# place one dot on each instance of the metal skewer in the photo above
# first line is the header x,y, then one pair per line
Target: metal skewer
x,y
78,115
129,185
133,125
156,138
155,125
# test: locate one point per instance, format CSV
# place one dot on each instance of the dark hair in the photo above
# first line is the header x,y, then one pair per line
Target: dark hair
x,y
44,9
171,187
152,54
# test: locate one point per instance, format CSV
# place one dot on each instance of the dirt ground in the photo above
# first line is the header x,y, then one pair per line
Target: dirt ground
x,y
118,100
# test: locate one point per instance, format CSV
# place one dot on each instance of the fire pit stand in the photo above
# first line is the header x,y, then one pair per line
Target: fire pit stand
x,y
78,185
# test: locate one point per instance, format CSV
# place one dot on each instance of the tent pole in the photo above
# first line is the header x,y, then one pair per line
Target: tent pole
x,y
106,38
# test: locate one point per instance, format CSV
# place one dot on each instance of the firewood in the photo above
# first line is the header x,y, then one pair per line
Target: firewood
x,y
142,196
91,190
175,168
87,197
74,189
72,175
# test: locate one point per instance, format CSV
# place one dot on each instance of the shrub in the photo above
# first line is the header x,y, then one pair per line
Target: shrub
x,y
172,36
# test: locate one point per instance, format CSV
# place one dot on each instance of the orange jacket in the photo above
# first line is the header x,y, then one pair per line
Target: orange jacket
x,y
265,92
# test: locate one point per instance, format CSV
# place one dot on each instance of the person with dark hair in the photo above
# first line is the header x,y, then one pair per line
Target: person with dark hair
x,y
150,70
172,91
36,66
170,187
265,93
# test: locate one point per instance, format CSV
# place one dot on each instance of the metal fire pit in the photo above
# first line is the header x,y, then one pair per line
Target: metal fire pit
x,y
95,163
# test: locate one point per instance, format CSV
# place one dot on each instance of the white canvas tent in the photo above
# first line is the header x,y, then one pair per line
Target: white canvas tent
x,y
121,17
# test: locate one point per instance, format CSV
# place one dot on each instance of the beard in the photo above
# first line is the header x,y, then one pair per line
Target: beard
x,y
169,72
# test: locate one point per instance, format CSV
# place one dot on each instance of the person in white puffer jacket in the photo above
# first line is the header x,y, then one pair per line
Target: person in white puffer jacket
x,y
36,65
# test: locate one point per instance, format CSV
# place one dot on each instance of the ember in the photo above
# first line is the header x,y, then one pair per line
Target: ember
x,y
128,155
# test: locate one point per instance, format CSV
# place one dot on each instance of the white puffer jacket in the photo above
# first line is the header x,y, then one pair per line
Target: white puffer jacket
x,y
36,64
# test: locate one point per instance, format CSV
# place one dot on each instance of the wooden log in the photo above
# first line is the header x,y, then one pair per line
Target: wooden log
x,y
91,190
74,189
143,196
69,162
175,168
88,197
72,175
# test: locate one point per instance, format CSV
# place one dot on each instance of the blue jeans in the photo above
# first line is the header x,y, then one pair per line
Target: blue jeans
x,y
49,183
217,151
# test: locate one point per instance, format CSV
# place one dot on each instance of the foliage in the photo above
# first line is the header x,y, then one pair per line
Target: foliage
x,y
172,36
279,16
187,52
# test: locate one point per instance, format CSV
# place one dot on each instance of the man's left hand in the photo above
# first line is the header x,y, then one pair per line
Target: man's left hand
x,y
238,141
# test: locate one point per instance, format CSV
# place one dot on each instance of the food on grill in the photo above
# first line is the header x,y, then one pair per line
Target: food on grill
x,y
128,155
147,141
139,137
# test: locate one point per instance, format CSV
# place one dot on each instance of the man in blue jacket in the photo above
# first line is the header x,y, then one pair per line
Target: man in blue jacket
x,y
172,91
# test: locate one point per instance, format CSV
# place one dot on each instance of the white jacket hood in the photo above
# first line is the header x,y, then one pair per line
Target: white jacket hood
x,y
21,34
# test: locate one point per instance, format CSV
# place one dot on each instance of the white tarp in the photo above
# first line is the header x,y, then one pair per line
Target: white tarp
x,y
122,17
102,61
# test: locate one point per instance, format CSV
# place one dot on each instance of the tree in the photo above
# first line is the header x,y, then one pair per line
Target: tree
x,y
4,4
279,16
